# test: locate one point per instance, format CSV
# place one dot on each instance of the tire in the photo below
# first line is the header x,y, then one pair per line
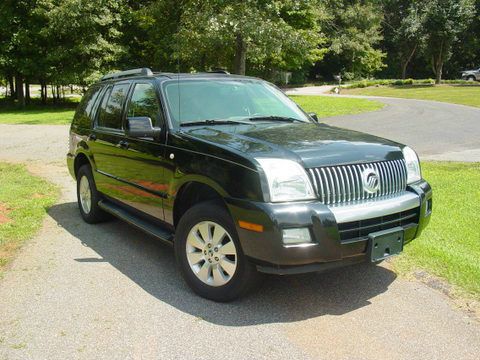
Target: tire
x,y
471,78
88,197
213,273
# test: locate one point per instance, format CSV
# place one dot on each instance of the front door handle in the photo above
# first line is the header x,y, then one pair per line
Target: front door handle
x,y
123,144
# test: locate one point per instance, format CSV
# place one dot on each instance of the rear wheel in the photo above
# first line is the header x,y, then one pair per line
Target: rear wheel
x,y
209,254
88,197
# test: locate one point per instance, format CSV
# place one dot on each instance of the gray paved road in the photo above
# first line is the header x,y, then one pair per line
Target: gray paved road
x,y
437,131
79,291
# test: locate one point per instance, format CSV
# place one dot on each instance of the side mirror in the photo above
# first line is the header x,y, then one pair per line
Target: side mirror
x,y
313,116
141,127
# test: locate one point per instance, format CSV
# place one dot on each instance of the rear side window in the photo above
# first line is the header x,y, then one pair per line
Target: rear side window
x,y
83,115
144,102
110,112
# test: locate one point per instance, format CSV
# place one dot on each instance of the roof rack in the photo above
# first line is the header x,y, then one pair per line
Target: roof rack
x,y
132,72
218,71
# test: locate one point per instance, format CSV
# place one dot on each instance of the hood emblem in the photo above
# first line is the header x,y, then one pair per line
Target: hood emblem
x,y
371,180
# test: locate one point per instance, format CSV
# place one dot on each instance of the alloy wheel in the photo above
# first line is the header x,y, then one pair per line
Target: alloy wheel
x,y
211,253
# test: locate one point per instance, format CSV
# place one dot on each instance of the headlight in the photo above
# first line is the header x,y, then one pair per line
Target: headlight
x,y
413,165
287,180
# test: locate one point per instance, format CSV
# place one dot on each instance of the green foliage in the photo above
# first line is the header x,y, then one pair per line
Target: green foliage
x,y
353,29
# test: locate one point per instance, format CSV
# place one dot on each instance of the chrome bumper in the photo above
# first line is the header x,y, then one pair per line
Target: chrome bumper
x,y
372,208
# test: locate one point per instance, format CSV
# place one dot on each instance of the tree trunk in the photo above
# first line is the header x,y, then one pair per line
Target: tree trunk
x,y
27,91
11,84
407,61
43,91
438,64
19,87
240,55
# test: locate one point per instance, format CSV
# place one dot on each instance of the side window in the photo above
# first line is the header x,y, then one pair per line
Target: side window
x,y
110,112
84,111
144,102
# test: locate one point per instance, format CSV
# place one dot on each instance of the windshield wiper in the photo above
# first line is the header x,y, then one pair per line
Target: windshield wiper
x,y
274,118
213,122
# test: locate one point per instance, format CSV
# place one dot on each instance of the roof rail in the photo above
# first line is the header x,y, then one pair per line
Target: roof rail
x,y
132,72
218,71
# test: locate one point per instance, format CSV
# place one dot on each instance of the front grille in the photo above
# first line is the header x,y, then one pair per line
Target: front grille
x,y
343,183
354,230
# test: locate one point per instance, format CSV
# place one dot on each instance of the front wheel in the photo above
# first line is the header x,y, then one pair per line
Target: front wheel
x,y
471,78
209,254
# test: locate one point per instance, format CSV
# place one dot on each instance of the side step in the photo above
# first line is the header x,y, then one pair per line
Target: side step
x,y
137,221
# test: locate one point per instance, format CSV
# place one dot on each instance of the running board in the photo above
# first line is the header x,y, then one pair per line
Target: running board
x,y
135,220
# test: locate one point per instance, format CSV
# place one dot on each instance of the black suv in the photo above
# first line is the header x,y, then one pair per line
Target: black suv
x,y
239,179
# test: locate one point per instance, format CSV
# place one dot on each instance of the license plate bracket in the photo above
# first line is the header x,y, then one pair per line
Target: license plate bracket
x,y
385,243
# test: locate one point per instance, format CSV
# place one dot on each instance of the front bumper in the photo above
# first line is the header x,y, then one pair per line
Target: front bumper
x,y
339,233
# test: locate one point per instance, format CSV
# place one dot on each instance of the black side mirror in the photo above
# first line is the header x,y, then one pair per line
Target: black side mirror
x,y
141,127
313,116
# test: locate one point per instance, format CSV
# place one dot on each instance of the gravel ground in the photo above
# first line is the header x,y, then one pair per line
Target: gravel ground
x,y
79,291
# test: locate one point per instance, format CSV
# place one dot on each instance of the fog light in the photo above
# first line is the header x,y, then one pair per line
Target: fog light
x,y
296,236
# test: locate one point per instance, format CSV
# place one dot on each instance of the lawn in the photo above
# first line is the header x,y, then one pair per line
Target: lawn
x,y
37,114
325,106
24,200
456,94
63,114
450,246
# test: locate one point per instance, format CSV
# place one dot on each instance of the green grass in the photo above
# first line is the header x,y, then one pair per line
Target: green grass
x,y
24,200
456,94
36,114
450,245
325,106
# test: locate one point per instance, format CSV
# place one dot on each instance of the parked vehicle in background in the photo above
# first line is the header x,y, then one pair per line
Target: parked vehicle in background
x,y
471,75
239,179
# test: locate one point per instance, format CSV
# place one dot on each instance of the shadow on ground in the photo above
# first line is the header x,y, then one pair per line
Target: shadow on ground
x,y
151,265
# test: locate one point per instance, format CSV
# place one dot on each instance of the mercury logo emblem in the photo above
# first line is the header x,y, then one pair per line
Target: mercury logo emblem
x,y
371,180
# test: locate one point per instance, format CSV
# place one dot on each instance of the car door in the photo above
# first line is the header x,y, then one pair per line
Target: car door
x,y
107,140
143,162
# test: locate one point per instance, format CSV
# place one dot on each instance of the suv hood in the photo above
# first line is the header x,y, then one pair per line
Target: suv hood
x,y
312,144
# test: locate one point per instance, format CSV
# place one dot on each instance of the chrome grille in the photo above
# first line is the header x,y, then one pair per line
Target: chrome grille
x,y
343,183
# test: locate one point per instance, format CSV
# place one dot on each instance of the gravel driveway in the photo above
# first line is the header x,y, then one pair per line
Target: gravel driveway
x,y
108,291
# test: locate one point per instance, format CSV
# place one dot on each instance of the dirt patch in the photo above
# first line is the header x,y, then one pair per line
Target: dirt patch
x,y
462,300
4,211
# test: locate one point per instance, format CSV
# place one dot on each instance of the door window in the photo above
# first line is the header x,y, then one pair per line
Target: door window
x,y
110,113
144,102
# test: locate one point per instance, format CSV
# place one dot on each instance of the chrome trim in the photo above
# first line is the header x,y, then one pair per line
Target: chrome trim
x,y
362,210
344,183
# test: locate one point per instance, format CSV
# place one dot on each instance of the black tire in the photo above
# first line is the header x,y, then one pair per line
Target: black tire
x,y
471,78
245,276
95,214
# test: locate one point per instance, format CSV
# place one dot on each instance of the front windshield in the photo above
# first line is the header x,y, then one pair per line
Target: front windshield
x,y
229,100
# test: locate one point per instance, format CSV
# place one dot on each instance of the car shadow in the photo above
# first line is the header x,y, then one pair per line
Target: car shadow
x,y
280,299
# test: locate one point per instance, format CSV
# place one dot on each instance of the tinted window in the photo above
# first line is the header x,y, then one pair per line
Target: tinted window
x,y
198,100
84,110
144,102
110,114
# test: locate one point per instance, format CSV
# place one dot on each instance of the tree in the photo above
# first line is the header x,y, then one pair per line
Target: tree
x,y
353,29
232,34
403,31
445,21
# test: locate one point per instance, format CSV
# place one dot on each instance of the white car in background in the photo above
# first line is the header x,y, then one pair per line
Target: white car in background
x,y
471,75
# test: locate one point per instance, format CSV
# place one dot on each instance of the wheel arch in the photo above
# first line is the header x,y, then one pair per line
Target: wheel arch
x,y
81,159
195,192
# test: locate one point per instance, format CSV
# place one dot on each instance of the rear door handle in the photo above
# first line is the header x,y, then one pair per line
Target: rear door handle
x,y
123,144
